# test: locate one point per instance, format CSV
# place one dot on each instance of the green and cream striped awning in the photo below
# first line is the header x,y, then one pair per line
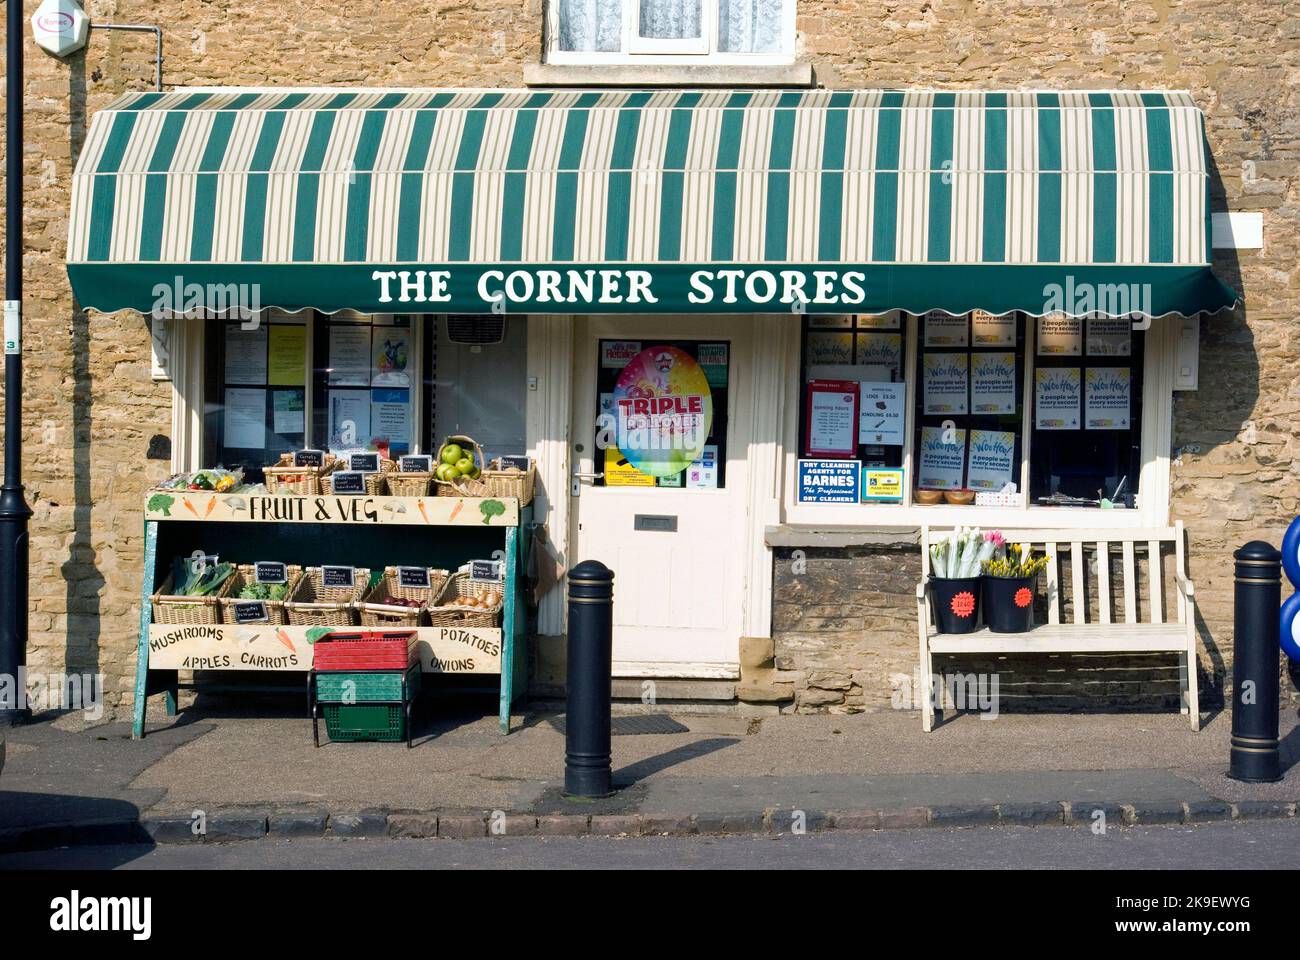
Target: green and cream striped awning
x,y
646,201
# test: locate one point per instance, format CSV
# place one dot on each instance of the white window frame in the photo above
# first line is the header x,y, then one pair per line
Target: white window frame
x,y
645,51
1153,481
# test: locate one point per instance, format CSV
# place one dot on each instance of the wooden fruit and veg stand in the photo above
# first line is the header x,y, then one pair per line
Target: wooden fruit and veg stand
x,y
373,532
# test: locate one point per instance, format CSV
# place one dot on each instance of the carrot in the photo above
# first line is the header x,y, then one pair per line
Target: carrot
x,y
420,504
284,638
189,506
456,509
212,502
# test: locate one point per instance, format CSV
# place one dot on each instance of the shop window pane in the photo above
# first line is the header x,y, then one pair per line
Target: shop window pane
x,y
591,25
1087,417
365,384
844,356
256,387
661,416
969,410
480,388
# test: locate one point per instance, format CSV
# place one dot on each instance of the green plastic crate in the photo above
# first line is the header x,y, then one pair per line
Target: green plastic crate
x,y
348,722
343,687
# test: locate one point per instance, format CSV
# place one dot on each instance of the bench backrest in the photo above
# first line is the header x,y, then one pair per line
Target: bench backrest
x,y
1082,590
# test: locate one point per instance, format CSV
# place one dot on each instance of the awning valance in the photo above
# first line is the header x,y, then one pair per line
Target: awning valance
x,y
646,201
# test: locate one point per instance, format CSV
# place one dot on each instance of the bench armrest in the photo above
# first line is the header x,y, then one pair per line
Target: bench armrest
x,y
1185,586
920,590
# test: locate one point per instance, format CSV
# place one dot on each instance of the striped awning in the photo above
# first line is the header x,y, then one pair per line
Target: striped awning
x,y
647,201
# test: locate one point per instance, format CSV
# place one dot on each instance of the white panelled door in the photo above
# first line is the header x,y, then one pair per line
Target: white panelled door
x,y
677,552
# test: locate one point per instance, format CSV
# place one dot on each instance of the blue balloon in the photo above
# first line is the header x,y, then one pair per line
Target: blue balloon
x,y
1291,552
1286,635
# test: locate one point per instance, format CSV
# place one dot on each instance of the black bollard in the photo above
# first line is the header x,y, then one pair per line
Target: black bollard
x,y
1256,598
587,720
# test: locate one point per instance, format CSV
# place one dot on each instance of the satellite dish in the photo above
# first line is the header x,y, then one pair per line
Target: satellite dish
x,y
60,27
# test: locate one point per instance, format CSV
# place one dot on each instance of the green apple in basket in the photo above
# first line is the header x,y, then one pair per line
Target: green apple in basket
x,y
465,466
446,472
451,453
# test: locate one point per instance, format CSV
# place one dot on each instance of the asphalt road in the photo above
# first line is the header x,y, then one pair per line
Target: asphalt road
x,y
1227,846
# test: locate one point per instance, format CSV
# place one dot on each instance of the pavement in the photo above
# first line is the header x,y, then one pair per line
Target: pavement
x,y
228,769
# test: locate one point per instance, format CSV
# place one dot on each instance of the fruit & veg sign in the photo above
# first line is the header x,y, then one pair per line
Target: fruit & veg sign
x,y
286,508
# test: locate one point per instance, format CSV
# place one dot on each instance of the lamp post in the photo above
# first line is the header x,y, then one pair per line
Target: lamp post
x,y
14,511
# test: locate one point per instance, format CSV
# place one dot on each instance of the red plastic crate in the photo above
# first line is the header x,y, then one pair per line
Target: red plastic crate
x,y
366,650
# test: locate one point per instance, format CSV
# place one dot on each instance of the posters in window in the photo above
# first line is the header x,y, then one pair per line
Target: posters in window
x,y
712,358
880,349
1060,336
702,474
349,419
244,422
832,418
1056,398
829,322
987,330
944,377
1110,337
943,458
390,357
390,418
880,413
287,413
942,330
245,355
992,459
287,363
1106,398
829,348
890,320
992,383
617,354
349,355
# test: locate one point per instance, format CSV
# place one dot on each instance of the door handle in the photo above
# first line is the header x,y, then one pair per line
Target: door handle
x,y
575,485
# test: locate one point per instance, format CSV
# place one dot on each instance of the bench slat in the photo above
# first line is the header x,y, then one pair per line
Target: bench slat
x,y
1053,585
1103,580
1076,582
1154,581
1067,638
1130,584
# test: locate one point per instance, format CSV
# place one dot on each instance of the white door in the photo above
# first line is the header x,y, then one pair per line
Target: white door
x,y
677,552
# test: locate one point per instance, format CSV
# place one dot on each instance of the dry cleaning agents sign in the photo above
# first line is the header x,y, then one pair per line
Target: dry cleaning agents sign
x,y
664,411
829,481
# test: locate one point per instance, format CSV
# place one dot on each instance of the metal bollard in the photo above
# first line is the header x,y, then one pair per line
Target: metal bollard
x,y
1258,590
587,720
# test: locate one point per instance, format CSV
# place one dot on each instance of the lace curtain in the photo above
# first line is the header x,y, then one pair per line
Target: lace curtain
x,y
750,26
744,26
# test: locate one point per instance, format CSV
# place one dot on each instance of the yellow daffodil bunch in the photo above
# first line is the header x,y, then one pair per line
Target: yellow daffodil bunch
x,y
1017,561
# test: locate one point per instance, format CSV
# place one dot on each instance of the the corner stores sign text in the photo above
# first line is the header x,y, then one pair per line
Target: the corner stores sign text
x,y
725,287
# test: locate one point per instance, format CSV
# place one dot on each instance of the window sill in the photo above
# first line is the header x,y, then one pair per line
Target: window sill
x,y
664,75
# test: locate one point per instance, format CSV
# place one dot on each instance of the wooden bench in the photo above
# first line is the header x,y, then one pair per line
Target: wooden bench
x,y
1099,618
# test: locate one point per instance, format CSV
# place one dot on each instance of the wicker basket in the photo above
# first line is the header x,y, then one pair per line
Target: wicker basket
x,y
288,477
314,605
374,481
464,487
409,484
509,483
448,611
374,614
169,608
244,574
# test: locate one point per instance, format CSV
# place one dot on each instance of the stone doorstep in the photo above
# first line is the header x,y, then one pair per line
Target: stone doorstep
x,y
232,825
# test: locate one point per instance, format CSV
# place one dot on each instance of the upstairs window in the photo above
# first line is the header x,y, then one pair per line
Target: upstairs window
x,y
671,31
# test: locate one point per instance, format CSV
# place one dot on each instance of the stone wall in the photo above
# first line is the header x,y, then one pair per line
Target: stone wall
x,y
91,407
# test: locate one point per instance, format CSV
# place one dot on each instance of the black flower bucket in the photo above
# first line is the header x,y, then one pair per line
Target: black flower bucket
x,y
956,603
1009,604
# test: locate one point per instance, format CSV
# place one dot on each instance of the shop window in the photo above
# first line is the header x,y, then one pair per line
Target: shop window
x,y
340,382
1005,411
736,31
479,389
661,417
